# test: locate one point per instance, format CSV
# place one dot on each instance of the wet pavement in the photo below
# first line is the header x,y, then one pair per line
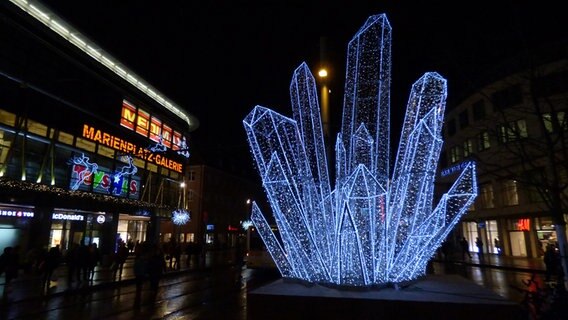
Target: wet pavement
x,y
503,275
31,286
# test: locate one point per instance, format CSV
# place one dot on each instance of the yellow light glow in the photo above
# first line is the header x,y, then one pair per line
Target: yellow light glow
x,y
322,73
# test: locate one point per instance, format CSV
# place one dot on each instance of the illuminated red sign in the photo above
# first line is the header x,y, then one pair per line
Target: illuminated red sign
x,y
128,115
231,228
140,121
524,224
143,122
155,129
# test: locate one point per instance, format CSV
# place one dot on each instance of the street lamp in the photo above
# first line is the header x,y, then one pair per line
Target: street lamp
x,y
249,208
323,75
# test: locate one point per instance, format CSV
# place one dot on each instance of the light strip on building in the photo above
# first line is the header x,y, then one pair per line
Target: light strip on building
x,y
52,21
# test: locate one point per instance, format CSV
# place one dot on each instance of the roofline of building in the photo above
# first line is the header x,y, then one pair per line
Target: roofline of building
x,y
80,41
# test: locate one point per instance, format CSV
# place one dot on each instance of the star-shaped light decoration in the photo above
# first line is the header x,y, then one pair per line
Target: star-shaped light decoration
x,y
180,217
246,224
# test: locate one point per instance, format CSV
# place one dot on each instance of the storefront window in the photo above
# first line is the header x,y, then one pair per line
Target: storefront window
x,y
132,228
518,235
470,233
494,242
545,232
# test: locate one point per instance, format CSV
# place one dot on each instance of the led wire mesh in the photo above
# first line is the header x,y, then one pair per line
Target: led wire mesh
x,y
373,227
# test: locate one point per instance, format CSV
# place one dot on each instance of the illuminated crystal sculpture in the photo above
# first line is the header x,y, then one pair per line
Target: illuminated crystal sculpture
x,y
369,230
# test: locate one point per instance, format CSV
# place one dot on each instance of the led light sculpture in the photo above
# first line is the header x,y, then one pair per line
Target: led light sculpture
x,y
369,230
180,217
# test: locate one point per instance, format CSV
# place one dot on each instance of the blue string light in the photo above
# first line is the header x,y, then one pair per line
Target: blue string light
x,y
373,227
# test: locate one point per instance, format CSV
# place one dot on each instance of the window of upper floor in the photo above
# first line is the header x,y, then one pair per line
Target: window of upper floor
x,y
534,181
512,131
37,128
510,193
486,196
555,122
483,142
455,154
467,148
7,118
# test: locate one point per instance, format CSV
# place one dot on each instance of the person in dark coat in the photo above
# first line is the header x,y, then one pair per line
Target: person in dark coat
x,y
9,265
551,261
156,268
140,270
82,262
52,261
465,248
479,245
94,260
120,259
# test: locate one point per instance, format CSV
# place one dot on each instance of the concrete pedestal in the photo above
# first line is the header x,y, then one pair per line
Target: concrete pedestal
x,y
434,297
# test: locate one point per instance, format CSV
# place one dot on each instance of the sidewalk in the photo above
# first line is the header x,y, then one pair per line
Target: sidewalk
x,y
30,286
520,264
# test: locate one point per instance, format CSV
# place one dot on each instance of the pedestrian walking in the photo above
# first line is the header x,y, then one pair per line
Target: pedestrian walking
x,y
465,248
130,245
9,265
176,254
82,259
119,260
497,245
446,250
94,260
140,269
52,261
551,261
479,245
156,268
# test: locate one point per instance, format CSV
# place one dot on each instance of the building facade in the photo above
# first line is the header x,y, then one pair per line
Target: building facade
x,y
88,150
219,201
516,129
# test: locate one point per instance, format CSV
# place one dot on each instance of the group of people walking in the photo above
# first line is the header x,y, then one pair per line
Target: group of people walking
x,y
150,262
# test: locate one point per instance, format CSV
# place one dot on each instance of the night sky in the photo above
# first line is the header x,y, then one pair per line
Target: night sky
x,y
218,59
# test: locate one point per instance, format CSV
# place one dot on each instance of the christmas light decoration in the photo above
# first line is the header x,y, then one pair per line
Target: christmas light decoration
x,y
180,217
246,224
88,170
372,228
158,147
116,185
